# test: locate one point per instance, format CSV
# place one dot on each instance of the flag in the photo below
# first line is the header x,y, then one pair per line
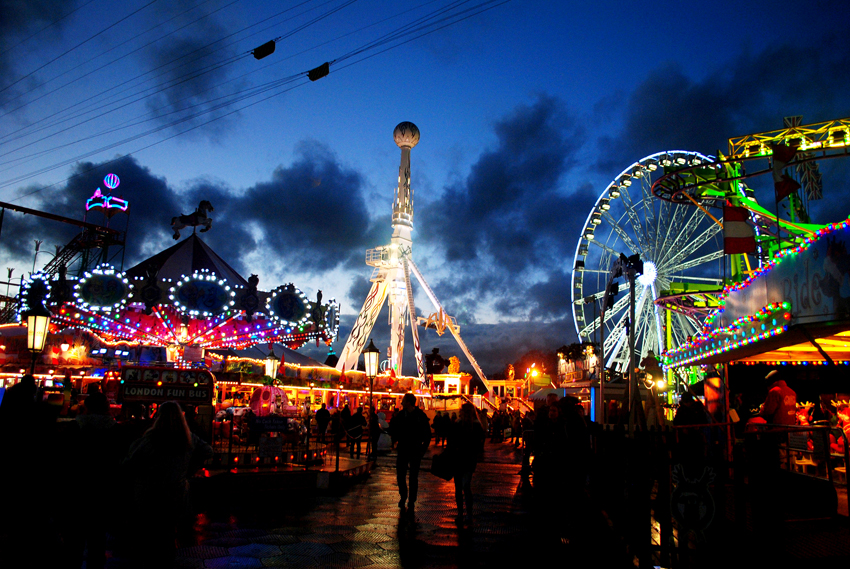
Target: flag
x,y
782,155
784,187
738,236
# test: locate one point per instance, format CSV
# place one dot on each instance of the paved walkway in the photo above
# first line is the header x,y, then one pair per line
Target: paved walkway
x,y
364,527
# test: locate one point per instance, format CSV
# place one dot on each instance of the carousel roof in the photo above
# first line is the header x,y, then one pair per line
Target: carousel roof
x,y
187,257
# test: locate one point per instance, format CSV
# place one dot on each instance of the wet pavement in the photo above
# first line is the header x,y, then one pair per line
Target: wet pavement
x,y
362,526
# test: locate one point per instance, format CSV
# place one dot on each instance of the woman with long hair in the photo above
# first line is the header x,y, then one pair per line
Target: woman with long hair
x,y
160,464
465,443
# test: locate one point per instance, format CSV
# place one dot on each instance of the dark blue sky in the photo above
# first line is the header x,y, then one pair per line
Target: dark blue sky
x,y
527,111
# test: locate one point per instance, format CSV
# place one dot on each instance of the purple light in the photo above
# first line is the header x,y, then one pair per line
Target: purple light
x,y
111,181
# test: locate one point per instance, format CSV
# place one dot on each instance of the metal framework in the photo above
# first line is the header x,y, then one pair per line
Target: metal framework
x,y
391,281
680,245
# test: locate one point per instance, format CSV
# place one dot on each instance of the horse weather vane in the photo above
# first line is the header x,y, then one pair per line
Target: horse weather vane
x,y
194,219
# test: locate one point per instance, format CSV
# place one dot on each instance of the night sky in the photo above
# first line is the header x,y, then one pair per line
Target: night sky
x,y
527,110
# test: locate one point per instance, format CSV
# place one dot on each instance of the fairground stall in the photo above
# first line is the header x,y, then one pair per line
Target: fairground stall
x,y
793,314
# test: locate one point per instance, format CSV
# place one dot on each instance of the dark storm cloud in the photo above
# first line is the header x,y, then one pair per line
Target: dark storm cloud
x,y
152,203
189,69
510,217
670,111
312,213
18,20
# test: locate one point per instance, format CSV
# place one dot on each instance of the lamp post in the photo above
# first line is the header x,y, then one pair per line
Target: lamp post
x,y
370,361
272,364
38,323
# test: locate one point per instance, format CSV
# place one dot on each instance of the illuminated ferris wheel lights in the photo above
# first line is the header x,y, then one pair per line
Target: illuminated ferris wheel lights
x,y
627,182
652,167
604,205
614,192
650,273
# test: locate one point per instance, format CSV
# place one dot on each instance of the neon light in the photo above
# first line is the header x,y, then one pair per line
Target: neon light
x,y
111,181
108,201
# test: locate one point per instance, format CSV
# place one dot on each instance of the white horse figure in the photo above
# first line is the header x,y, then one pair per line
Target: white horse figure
x,y
199,217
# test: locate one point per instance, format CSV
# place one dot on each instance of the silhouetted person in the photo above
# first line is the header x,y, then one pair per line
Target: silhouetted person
x,y
96,461
355,432
411,430
323,417
465,445
160,465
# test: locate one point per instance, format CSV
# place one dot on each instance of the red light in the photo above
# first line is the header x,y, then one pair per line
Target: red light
x,y
235,459
787,316
159,384
257,459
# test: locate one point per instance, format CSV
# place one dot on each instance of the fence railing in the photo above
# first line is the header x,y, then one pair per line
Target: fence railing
x,y
674,491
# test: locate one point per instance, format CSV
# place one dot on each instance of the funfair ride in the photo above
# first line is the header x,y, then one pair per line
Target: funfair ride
x,y
186,299
788,153
391,281
681,248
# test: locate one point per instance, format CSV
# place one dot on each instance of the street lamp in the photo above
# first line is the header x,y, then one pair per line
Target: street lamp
x,y
272,364
38,323
370,361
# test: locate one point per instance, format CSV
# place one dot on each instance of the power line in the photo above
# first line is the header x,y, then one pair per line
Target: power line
x,y
82,43
81,77
419,31
53,23
160,88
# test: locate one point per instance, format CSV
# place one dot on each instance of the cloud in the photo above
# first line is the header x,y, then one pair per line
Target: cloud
x,y
752,93
20,20
509,216
190,69
309,217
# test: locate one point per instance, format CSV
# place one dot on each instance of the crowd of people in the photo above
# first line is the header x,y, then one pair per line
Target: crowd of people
x,y
70,482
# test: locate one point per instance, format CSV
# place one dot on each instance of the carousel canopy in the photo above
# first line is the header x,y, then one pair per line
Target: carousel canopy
x,y
185,258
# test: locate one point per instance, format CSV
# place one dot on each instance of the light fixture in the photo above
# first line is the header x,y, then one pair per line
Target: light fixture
x,y
64,346
38,324
272,363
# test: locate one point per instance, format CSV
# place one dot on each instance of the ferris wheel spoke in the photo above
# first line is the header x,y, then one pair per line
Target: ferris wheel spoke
x,y
659,320
693,245
637,226
676,215
697,262
605,247
682,234
624,237
610,314
651,225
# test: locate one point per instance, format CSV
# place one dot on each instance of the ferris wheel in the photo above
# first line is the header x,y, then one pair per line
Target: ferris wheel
x,y
681,247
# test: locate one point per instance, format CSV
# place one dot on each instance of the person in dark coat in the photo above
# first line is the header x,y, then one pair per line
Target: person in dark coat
x,y
355,432
465,445
160,465
411,430
323,417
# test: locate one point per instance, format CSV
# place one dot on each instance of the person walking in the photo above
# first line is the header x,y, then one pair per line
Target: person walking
x,y
323,417
355,432
411,430
160,465
465,445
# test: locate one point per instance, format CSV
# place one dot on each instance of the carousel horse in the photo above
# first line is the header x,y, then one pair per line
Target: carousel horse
x,y
199,217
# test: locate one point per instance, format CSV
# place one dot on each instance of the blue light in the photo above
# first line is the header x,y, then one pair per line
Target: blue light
x,y
593,404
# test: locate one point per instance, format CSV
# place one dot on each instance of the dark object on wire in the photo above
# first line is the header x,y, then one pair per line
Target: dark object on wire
x,y
264,50
319,72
